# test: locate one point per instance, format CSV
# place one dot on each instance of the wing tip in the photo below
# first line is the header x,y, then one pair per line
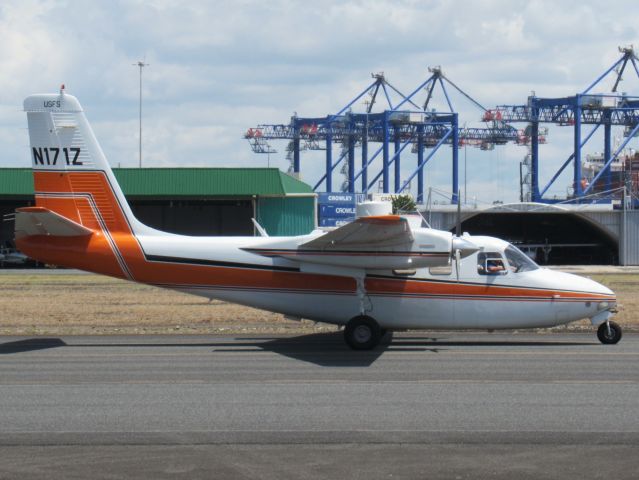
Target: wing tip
x,y
32,210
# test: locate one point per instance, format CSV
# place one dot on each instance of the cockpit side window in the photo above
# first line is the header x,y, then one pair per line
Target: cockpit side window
x,y
518,260
490,263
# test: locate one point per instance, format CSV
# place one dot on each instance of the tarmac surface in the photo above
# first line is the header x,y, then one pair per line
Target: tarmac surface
x,y
429,405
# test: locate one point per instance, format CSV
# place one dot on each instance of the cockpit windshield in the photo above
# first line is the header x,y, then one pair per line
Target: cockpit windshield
x,y
518,260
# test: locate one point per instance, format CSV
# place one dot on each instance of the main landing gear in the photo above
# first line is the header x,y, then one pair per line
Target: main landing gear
x,y
363,333
609,333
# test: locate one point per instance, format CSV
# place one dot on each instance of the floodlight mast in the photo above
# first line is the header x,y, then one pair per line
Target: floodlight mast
x,y
141,64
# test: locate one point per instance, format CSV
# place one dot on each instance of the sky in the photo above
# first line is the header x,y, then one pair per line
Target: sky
x,y
216,69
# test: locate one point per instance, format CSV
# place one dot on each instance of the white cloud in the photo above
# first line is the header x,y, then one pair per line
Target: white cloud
x,y
217,68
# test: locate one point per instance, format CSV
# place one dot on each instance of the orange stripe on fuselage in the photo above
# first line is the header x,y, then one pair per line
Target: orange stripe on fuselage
x,y
92,253
96,254
398,287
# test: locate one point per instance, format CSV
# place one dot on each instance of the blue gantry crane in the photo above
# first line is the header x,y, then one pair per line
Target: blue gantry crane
x,y
403,121
608,109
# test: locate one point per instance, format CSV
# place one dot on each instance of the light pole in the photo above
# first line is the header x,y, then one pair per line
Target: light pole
x,y
465,184
465,177
140,64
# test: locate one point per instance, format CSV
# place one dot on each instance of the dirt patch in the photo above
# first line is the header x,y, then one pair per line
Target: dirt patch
x,y
86,304
68,304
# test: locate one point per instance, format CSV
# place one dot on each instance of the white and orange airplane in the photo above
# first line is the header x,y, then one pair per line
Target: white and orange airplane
x,y
373,275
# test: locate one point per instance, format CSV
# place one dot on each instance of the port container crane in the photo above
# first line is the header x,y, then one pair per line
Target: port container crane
x,y
404,121
597,109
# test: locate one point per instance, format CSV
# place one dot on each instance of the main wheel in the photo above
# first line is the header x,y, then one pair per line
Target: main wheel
x,y
362,333
609,333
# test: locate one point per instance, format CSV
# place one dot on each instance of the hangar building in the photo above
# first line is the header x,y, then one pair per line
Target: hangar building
x,y
194,201
567,234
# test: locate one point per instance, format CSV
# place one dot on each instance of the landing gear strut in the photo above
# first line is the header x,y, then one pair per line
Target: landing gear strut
x,y
362,333
609,333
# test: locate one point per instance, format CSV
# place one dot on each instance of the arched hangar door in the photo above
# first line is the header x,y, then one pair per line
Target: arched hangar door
x,y
549,238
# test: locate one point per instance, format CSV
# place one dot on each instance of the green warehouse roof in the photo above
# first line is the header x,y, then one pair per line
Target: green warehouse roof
x,y
179,182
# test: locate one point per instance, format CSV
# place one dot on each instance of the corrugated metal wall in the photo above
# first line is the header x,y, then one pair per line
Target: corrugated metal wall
x,y
629,253
442,220
283,216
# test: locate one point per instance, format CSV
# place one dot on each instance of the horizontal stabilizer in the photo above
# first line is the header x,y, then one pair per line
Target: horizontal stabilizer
x,y
41,221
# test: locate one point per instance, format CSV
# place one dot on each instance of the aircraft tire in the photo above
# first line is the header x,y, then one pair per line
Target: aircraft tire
x,y
362,333
613,337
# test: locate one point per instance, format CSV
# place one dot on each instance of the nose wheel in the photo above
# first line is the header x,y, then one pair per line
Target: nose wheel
x,y
609,333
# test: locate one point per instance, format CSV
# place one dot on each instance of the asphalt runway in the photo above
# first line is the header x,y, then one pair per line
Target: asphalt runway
x,y
435,405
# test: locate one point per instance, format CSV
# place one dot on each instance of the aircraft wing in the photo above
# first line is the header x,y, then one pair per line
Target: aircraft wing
x,y
373,243
41,221
365,233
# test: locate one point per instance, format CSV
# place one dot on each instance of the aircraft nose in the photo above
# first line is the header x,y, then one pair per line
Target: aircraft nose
x,y
597,287
581,284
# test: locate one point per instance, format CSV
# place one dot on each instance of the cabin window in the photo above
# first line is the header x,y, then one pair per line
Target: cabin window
x,y
490,263
445,270
405,272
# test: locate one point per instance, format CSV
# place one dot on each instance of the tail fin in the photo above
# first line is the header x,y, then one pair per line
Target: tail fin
x,y
81,218
71,174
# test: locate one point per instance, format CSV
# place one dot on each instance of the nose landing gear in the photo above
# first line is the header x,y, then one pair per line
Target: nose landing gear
x,y
609,333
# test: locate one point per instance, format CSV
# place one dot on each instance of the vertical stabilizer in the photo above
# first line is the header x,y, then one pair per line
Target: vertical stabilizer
x,y
71,174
